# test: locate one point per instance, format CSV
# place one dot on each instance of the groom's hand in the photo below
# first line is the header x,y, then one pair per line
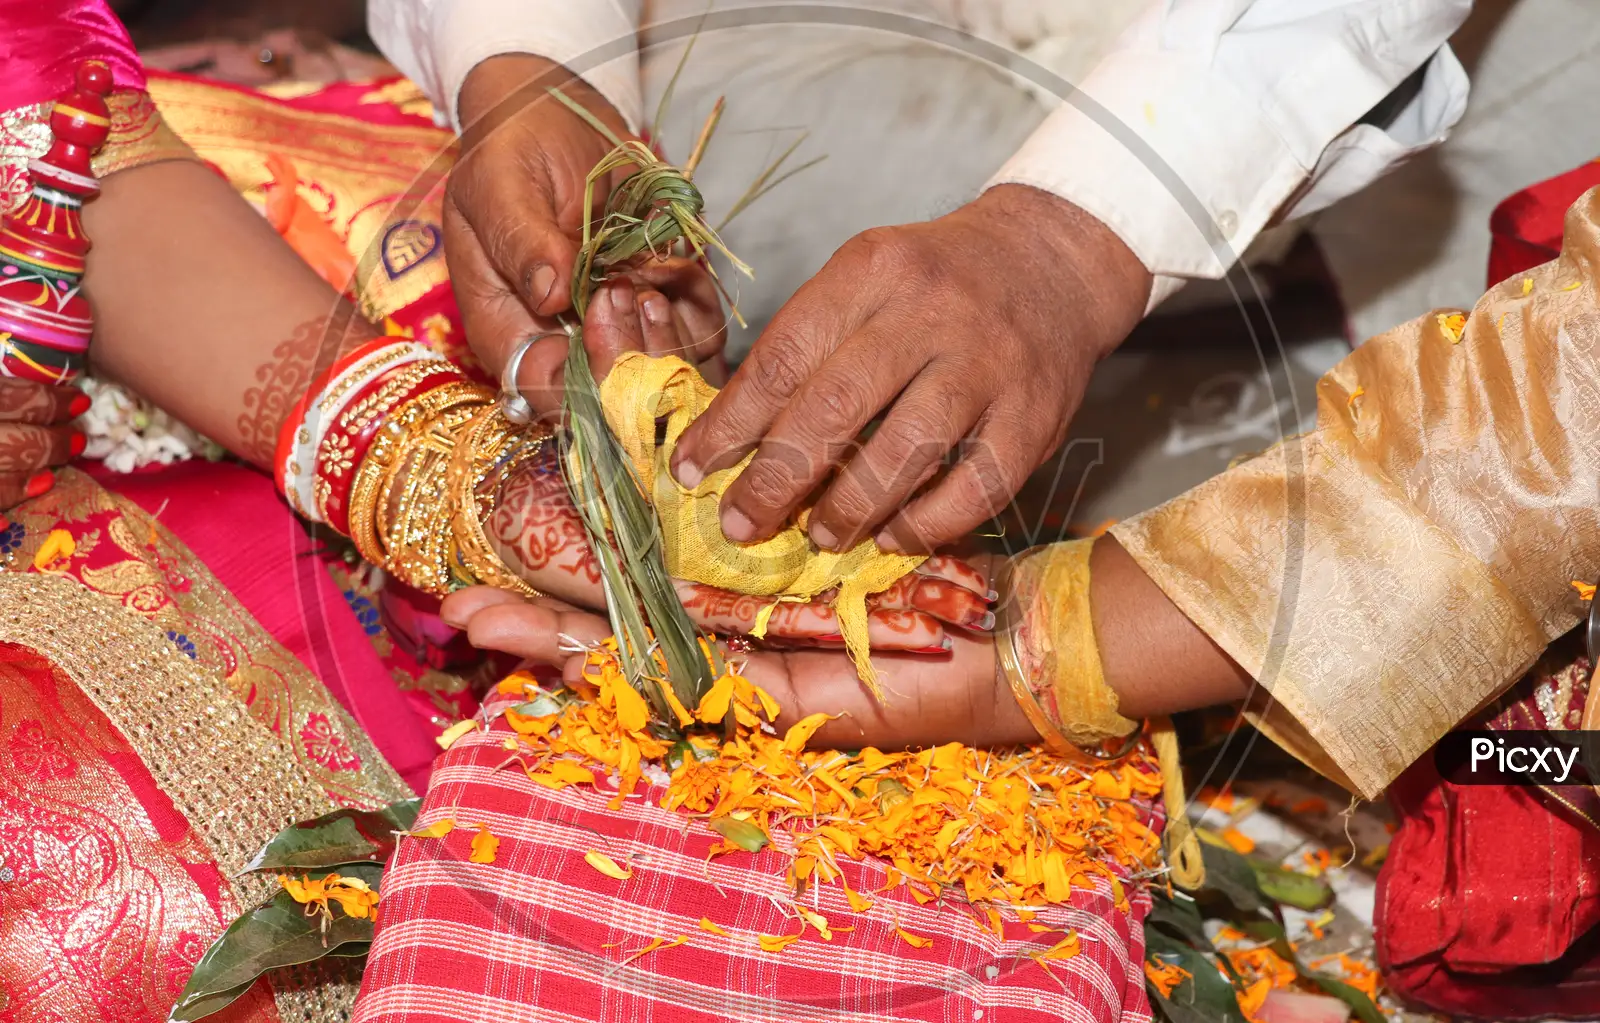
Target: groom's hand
x,y
975,331
513,217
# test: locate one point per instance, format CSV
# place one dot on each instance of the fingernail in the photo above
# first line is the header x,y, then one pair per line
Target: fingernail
x,y
80,405
77,444
540,283
992,596
687,473
736,526
39,482
823,537
451,620
985,623
657,311
886,542
947,644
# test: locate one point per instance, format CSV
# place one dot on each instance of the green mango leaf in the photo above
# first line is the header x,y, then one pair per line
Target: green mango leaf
x,y
741,833
1359,1003
1179,918
340,837
540,706
1292,888
275,934
1205,994
1230,876
200,1006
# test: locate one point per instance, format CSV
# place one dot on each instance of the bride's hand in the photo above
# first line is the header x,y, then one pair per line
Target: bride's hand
x,y
536,530
928,701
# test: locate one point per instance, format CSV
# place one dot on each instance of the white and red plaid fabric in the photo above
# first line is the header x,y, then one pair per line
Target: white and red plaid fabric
x,y
540,935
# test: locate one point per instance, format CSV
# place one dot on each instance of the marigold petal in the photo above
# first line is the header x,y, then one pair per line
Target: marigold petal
x,y
714,704
711,928
776,942
485,846
914,940
54,553
451,735
438,829
800,733
606,865
858,902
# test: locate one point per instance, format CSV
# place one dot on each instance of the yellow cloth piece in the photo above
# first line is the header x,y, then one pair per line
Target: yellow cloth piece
x,y
1403,563
1057,655
639,391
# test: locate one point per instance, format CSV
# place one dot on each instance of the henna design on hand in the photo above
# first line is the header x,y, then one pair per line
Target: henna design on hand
x,y
23,401
281,381
535,527
23,448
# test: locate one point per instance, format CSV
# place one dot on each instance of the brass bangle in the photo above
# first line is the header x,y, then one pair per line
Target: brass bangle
x,y
1008,622
1028,682
397,438
470,466
418,541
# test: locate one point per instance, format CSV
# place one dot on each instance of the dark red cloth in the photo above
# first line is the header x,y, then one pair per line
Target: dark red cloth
x,y
1488,901
1527,226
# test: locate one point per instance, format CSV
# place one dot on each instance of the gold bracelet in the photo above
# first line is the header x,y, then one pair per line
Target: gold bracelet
x,y
470,465
396,439
1045,591
418,541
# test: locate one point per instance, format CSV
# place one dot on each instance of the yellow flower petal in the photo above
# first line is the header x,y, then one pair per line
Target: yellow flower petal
x,y
1574,286
914,940
1066,948
714,704
1452,326
1239,841
1350,402
1527,285
655,945
484,846
632,711
57,549
800,733
450,735
776,942
438,829
858,902
816,920
515,684
1585,590
606,865
711,928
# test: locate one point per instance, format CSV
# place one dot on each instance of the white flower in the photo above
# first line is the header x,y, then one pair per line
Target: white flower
x,y
126,432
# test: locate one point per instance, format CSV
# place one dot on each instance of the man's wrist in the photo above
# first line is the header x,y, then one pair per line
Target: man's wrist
x,y
502,86
1076,244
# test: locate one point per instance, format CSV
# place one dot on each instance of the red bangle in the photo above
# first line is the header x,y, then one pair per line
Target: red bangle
x,y
297,414
346,441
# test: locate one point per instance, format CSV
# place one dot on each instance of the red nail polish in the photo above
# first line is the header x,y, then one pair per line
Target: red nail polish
x,y
39,482
80,405
77,444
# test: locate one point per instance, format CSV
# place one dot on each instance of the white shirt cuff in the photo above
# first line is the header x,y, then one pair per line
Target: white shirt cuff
x,y
1170,156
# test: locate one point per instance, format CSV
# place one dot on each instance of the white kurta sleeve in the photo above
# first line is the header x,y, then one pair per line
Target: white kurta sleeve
x,y
1212,117
436,42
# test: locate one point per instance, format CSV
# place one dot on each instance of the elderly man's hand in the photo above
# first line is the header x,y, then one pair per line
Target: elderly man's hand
x,y
977,330
513,216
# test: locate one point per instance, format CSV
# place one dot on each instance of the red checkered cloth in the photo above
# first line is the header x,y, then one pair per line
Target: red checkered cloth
x,y
541,935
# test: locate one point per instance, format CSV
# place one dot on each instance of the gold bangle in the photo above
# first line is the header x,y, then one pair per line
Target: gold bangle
x,y
1060,685
470,465
395,440
1008,622
418,541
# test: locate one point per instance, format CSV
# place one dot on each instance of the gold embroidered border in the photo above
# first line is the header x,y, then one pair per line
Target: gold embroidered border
x,y
222,770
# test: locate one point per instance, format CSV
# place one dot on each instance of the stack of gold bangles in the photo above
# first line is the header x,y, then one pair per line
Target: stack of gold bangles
x,y
397,449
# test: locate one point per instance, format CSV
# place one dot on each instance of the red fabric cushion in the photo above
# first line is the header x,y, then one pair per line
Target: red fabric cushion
x,y
540,934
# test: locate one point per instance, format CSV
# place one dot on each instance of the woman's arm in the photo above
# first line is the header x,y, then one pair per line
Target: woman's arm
x,y
1155,660
203,309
